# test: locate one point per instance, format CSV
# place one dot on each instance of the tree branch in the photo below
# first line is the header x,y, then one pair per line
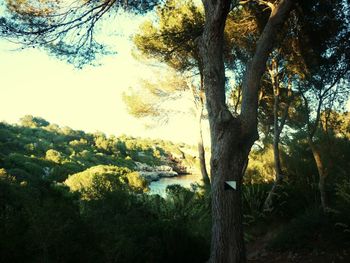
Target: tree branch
x,y
257,66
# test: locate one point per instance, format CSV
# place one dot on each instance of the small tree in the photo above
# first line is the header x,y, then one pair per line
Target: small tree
x,y
173,40
326,85
54,156
33,122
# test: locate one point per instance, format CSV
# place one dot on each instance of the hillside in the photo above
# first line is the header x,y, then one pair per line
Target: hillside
x,y
71,196
37,149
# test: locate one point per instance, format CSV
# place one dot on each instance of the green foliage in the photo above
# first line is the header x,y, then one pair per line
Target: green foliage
x,y
302,230
186,211
343,206
5,176
343,191
309,230
107,206
33,122
300,166
55,153
54,156
260,167
185,204
40,223
105,216
172,38
104,178
133,228
60,172
253,198
135,181
293,199
107,220
151,99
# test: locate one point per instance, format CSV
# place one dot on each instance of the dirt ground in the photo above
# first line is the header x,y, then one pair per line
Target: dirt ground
x,y
301,257
257,252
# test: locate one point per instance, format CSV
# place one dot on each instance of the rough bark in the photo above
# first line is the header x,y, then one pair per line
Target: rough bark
x,y
257,66
231,137
227,244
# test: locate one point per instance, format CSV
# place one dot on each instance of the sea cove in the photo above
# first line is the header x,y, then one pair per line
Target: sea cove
x,y
159,187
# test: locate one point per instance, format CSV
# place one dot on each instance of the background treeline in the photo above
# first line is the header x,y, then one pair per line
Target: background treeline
x,y
36,149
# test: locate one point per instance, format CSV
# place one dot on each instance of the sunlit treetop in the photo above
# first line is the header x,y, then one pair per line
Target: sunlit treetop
x,y
151,98
66,28
171,37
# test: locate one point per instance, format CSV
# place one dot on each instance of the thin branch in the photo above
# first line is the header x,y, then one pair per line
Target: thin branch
x,y
268,4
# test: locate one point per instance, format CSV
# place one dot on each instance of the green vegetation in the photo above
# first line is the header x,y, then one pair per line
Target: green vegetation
x,y
69,196
271,77
38,149
107,222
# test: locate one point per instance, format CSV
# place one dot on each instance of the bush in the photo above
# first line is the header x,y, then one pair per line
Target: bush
x,y
41,223
137,182
105,178
253,198
293,199
312,229
343,206
54,156
142,228
260,167
301,232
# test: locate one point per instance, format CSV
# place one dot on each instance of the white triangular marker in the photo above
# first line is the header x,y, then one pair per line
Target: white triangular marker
x,y
232,184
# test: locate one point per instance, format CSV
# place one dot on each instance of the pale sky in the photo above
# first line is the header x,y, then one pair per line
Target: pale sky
x,y
34,83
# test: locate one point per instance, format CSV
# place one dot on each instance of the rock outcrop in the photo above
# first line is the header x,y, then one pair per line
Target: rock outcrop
x,y
154,173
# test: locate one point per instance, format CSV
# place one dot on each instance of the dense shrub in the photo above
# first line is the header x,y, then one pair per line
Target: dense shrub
x,y
41,223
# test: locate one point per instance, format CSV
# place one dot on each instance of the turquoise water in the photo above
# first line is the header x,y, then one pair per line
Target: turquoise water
x,y
158,187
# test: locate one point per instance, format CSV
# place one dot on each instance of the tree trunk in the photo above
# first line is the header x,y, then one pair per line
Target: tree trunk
x,y
278,172
229,163
277,129
198,100
231,137
201,149
276,156
321,173
227,244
